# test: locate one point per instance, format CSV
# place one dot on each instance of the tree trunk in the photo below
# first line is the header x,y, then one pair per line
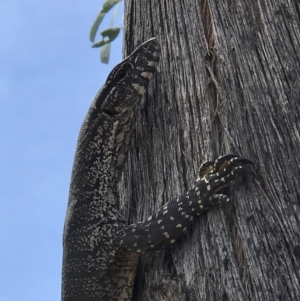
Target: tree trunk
x,y
228,82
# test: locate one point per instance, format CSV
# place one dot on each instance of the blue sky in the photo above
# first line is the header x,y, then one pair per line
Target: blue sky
x,y
48,76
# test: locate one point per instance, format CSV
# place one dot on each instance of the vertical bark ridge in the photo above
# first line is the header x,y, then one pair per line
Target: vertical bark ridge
x,y
229,80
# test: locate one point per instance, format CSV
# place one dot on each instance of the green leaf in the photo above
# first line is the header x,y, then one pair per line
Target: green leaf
x,y
100,44
107,5
104,54
95,26
108,35
113,16
111,33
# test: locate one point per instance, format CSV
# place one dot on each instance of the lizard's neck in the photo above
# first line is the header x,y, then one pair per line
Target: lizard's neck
x,y
102,148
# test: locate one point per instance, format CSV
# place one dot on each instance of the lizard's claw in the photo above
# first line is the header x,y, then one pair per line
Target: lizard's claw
x,y
215,175
206,168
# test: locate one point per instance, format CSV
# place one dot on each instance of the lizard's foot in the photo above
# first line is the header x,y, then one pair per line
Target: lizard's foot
x,y
215,175
172,220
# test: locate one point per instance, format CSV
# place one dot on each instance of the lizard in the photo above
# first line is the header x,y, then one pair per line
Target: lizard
x,y
100,250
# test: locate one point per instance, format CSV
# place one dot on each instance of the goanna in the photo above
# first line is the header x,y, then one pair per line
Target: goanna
x,y
100,251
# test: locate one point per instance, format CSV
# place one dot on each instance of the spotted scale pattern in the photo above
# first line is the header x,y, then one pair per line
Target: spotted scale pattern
x,y
172,220
93,267
100,251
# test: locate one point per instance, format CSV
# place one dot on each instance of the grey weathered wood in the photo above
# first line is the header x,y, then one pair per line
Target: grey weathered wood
x,y
228,82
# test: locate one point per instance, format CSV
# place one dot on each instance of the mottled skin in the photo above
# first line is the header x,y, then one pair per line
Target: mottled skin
x,y
100,250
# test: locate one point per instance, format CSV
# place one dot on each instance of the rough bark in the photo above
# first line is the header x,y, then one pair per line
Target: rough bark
x,y
228,82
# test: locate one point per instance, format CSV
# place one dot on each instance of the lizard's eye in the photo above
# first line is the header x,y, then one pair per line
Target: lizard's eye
x,y
122,72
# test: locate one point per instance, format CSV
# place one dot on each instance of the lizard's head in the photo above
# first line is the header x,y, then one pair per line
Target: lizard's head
x,y
129,80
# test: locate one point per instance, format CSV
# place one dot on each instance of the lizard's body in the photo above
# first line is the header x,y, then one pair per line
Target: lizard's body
x,y
100,250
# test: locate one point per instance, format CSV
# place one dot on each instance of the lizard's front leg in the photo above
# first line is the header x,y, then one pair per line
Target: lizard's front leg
x,y
172,220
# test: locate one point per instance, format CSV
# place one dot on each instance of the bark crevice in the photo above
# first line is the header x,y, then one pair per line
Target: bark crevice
x,y
228,81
